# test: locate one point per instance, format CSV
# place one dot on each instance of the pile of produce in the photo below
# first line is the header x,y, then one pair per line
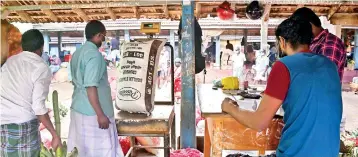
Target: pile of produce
x,y
349,143
188,152
125,144
60,152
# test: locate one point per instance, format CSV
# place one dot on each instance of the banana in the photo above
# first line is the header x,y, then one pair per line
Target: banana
x,y
59,152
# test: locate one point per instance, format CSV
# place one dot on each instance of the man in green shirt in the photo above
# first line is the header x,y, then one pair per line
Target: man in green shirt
x,y
92,128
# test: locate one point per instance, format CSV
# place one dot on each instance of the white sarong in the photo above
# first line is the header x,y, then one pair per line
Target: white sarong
x,y
90,140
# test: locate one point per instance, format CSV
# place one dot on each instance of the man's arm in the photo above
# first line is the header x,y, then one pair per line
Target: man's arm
x,y
40,92
261,118
275,93
94,71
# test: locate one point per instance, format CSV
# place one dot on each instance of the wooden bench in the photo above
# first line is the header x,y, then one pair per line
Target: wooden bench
x,y
160,123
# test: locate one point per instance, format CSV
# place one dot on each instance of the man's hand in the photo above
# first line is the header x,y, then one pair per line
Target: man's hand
x,y
228,105
103,122
56,142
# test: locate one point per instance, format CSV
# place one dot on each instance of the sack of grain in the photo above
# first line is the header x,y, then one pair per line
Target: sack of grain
x,y
137,73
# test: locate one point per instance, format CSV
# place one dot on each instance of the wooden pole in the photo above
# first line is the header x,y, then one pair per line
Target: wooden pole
x,y
187,123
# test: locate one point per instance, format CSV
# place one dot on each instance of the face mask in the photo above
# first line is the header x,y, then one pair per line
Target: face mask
x,y
177,64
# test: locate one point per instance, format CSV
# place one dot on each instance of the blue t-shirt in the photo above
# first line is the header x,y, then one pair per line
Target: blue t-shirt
x,y
88,69
313,108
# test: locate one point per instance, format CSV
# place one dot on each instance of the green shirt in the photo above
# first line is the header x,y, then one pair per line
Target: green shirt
x,y
89,69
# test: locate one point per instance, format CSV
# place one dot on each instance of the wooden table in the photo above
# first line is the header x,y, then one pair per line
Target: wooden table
x,y
160,123
222,132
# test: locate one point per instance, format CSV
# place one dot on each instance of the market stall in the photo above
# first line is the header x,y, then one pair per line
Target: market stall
x,y
224,135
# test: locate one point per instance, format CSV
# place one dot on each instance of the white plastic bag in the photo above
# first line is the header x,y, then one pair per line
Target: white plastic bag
x,y
137,74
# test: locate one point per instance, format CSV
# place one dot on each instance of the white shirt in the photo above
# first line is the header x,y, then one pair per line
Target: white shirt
x,y
262,61
25,81
239,60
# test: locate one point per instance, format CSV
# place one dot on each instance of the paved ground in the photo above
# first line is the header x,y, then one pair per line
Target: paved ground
x,y
350,100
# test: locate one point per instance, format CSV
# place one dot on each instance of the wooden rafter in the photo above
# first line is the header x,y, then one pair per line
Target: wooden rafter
x,y
111,13
266,15
89,5
166,12
198,10
136,12
50,14
26,17
4,13
300,6
333,10
81,14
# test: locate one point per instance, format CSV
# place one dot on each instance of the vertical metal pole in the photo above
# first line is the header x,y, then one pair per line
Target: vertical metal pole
x,y
126,35
355,55
245,40
84,37
59,42
218,52
172,41
187,123
264,33
46,42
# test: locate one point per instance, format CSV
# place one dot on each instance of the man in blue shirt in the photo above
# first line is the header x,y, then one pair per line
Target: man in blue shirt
x,y
92,129
308,87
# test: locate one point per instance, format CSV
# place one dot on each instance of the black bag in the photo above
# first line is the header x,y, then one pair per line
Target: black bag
x,y
199,58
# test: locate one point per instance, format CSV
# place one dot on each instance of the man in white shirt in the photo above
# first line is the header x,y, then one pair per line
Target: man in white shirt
x,y
261,67
238,63
25,85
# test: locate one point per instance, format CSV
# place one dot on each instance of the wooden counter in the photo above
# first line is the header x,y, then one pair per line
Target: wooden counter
x,y
222,132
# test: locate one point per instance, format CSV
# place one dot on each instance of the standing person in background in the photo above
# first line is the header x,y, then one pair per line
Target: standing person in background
x,y
26,80
324,43
238,64
55,64
229,46
92,128
46,58
262,65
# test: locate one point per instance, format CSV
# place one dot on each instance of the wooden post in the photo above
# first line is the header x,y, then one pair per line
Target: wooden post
x,y
187,123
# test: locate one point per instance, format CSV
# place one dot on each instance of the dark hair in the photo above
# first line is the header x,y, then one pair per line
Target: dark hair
x,y
307,14
93,28
295,31
32,40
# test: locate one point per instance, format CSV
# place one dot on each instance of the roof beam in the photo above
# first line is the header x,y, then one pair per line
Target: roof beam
x,y
349,19
111,13
81,14
4,13
166,12
26,17
300,6
50,14
333,10
89,5
136,12
198,10
266,15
